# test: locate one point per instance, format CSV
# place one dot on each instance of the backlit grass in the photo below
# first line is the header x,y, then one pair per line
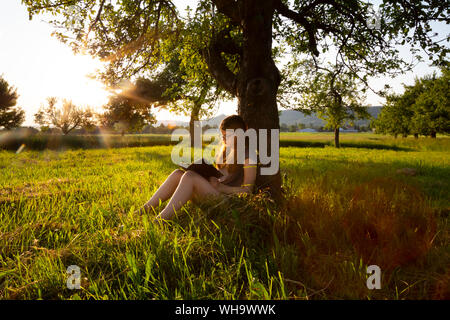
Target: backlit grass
x,y
345,209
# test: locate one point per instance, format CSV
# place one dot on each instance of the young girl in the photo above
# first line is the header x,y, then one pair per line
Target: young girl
x,y
183,186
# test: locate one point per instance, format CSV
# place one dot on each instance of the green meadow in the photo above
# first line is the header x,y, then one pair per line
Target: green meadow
x,y
375,201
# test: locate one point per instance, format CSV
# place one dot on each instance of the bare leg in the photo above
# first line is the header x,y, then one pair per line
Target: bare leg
x,y
192,185
164,192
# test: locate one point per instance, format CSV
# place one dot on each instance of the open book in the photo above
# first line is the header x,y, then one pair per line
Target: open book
x,y
204,169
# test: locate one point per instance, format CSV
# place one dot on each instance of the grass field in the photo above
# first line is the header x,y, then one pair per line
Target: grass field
x,y
345,209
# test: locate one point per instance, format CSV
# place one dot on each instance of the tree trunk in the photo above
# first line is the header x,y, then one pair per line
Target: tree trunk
x,y
194,117
433,134
258,80
336,137
416,135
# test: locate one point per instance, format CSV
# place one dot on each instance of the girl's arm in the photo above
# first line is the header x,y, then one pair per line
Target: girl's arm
x,y
247,184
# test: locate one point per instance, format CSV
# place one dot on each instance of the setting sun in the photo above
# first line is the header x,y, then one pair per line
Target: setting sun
x,y
77,85
40,66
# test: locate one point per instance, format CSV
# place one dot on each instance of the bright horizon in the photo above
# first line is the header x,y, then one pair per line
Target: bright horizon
x,y
40,66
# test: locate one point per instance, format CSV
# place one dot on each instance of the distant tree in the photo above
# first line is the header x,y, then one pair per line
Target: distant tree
x,y
10,116
43,128
65,117
333,92
207,127
423,108
147,129
125,114
432,107
395,117
161,129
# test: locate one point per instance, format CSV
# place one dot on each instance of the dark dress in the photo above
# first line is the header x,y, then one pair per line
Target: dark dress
x,y
237,179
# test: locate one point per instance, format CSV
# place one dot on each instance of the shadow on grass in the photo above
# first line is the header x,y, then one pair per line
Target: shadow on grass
x,y
431,179
61,142
11,141
316,144
374,146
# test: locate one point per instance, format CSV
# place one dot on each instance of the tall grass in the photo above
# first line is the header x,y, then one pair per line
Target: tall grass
x,y
344,210
13,141
9,141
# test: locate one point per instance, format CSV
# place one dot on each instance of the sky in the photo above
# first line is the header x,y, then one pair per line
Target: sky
x,y
40,66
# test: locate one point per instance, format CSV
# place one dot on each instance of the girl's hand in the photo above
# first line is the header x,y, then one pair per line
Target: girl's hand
x,y
214,182
222,179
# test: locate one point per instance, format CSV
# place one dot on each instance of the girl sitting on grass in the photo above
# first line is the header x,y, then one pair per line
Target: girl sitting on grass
x,y
184,185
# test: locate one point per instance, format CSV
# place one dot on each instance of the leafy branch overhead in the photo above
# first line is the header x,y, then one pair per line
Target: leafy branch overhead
x,y
182,83
133,35
423,109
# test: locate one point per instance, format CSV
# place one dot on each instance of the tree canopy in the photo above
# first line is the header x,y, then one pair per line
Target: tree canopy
x,y
65,117
125,114
10,115
133,36
181,87
423,109
331,91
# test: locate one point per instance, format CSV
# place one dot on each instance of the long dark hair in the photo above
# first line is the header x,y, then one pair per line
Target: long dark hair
x,y
231,122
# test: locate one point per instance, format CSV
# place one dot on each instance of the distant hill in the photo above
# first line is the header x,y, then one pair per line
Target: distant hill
x,y
288,117
213,122
172,123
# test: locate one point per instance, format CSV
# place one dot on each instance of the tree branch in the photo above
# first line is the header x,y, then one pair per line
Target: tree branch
x,y
219,70
229,8
216,65
97,18
74,126
299,18
224,43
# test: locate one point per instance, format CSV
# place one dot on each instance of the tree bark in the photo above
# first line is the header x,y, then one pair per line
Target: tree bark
x,y
336,137
194,117
258,80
